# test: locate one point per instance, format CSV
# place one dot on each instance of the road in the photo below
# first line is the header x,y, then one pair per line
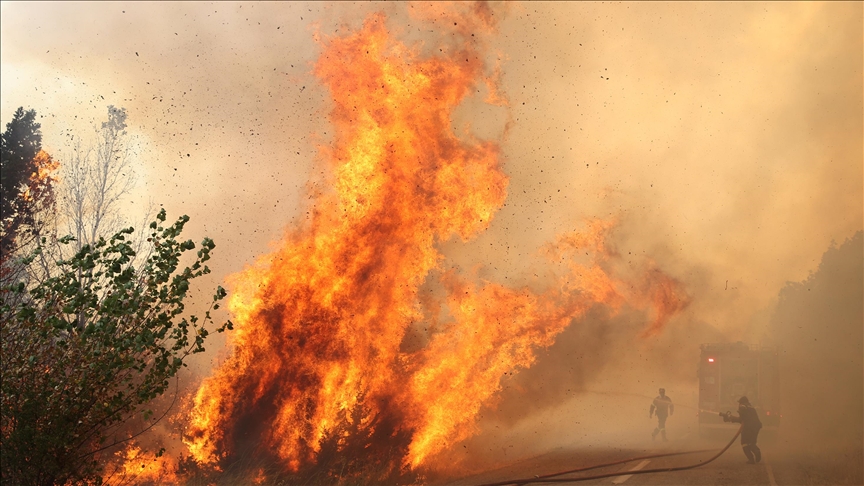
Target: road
x,y
730,468
778,467
602,428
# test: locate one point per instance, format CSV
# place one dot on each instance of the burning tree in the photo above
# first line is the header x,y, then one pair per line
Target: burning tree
x,y
27,183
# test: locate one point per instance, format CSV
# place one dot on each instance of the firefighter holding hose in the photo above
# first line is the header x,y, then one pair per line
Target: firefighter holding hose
x,y
664,408
750,425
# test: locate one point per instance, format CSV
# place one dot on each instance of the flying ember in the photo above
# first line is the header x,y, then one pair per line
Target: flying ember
x,y
318,357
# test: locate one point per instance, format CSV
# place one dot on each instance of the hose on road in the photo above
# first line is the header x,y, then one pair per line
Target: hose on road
x,y
550,478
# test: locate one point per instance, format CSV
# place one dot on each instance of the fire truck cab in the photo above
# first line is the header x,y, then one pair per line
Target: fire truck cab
x,y
728,371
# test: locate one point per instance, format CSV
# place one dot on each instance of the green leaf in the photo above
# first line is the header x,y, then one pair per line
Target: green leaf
x,y
103,334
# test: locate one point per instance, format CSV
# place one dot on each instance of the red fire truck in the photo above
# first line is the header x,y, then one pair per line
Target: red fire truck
x,y
728,371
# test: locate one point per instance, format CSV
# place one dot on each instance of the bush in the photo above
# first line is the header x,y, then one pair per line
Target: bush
x,y
85,350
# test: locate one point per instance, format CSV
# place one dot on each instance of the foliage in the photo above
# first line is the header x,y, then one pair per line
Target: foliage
x,y
85,350
26,183
21,141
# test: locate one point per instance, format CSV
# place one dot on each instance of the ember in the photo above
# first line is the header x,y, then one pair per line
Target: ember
x,y
316,365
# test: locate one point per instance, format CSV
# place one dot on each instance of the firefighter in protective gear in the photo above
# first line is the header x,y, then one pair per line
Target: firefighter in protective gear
x,y
750,425
663,406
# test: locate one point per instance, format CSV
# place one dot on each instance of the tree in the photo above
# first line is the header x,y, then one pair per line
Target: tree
x,y
96,179
817,327
19,144
26,183
85,350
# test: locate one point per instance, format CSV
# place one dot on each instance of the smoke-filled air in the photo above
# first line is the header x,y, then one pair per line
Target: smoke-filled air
x,y
443,243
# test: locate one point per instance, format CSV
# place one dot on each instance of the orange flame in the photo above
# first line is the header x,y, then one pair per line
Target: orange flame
x,y
42,178
143,467
320,322
324,321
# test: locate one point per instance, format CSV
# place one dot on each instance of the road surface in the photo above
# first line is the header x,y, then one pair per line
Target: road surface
x,y
778,468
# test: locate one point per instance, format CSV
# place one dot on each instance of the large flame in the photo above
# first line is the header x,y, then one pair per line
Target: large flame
x,y
320,322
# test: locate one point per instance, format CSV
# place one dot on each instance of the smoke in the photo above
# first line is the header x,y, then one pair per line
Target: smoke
x,y
725,139
817,325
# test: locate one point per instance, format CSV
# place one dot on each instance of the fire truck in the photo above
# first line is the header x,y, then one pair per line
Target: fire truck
x,y
728,371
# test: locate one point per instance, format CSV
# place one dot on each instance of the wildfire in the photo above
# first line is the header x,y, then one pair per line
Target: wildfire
x,y
42,178
317,358
142,467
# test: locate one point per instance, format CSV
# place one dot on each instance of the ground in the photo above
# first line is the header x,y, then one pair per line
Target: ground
x,y
782,463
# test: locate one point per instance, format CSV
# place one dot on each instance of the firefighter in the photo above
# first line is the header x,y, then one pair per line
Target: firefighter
x,y
750,425
664,407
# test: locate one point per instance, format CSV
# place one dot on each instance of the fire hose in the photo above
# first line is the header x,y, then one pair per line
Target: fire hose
x,y
550,478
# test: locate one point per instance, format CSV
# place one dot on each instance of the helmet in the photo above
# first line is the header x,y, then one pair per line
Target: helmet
x,y
744,401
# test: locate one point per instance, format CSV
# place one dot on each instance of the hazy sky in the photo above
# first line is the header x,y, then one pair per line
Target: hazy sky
x,y
725,137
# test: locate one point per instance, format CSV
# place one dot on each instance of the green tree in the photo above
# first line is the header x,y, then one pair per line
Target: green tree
x,y
85,350
26,188
19,144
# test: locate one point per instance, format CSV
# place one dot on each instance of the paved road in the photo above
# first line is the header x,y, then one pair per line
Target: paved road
x,y
728,469
776,469
604,428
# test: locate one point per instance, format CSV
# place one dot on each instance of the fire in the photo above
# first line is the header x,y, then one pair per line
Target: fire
x,y
317,358
43,177
39,187
321,321
29,211
142,467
